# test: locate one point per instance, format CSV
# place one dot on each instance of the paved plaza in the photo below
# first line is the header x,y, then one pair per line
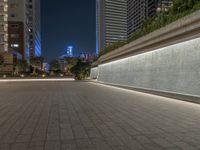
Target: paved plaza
x,y
88,116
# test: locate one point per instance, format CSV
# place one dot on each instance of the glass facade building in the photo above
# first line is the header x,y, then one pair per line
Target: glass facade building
x,y
111,23
33,28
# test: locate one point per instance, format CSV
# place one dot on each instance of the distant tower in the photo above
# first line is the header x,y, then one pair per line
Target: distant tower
x,y
70,51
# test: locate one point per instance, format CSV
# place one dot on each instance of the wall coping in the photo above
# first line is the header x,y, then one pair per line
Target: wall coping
x,y
184,29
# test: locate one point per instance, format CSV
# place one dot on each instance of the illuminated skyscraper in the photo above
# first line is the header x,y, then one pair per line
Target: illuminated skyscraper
x,y
70,51
111,22
33,28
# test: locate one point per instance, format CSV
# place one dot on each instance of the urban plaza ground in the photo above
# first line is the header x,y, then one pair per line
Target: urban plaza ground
x,y
71,115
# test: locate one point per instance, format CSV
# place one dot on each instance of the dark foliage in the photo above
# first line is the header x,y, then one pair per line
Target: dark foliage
x,y
81,70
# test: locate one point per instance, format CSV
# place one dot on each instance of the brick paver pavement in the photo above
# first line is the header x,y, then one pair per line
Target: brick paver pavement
x,y
89,116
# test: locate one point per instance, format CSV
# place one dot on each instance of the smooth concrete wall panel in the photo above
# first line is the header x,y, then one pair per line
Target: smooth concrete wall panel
x,y
175,68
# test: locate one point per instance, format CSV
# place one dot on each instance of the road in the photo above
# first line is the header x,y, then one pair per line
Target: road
x,y
90,116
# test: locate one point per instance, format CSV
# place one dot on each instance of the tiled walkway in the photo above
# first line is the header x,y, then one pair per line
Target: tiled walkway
x,y
89,116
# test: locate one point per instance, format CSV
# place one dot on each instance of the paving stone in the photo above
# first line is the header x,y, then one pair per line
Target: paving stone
x,y
89,116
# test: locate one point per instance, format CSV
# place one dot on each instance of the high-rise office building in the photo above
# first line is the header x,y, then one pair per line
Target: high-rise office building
x,y
33,28
138,12
23,27
4,47
16,17
20,30
111,23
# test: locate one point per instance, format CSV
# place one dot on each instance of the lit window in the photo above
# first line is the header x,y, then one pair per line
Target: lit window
x,y
14,45
14,35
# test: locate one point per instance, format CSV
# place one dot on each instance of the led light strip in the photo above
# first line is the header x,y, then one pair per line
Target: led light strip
x,y
146,95
34,80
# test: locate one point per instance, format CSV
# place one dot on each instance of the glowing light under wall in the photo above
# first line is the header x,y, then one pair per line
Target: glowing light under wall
x,y
175,68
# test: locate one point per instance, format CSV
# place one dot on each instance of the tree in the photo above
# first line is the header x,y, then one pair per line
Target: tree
x,y
183,5
81,70
36,63
54,66
1,62
20,67
71,62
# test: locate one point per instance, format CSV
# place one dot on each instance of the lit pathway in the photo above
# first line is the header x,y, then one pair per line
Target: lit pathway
x,y
89,116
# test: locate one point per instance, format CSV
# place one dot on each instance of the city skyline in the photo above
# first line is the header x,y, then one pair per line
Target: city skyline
x,y
118,75
67,23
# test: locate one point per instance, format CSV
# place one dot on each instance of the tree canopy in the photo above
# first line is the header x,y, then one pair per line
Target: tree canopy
x,y
55,67
1,60
36,62
81,70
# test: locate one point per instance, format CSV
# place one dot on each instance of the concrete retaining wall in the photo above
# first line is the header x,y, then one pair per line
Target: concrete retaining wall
x,y
164,62
94,73
174,68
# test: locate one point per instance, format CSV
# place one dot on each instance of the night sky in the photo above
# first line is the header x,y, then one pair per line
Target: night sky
x,y
67,22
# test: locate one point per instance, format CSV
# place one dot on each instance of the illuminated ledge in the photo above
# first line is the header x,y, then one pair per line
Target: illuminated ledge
x,y
34,80
184,29
178,96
